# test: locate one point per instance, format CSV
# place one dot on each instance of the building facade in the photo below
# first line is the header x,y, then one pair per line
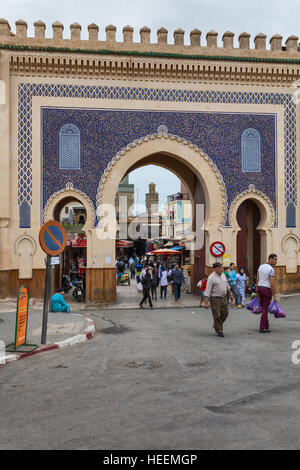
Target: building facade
x,y
179,215
78,115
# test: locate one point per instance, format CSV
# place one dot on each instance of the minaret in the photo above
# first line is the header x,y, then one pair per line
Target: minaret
x,y
152,199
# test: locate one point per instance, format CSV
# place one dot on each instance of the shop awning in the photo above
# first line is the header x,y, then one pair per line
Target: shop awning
x,y
163,251
124,243
79,243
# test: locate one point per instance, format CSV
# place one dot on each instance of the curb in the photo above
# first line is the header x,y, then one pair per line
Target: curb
x,y
88,334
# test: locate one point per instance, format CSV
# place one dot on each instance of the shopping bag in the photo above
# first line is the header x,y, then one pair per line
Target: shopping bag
x,y
280,313
250,304
139,287
273,307
254,306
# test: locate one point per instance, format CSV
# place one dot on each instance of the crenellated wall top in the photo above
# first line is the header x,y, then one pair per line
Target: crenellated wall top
x,y
261,48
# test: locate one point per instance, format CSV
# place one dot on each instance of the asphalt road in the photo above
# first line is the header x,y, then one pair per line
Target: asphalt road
x,y
159,380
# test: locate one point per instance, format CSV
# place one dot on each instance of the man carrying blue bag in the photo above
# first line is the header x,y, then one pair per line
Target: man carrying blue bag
x,y
266,290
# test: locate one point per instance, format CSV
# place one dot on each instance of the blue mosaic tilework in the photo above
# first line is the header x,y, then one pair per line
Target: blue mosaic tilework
x,y
27,90
105,132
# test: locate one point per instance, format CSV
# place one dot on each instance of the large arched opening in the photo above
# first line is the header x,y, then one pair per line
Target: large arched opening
x,y
195,169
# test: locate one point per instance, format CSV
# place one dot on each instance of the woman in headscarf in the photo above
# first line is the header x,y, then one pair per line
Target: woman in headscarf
x,y
163,282
241,283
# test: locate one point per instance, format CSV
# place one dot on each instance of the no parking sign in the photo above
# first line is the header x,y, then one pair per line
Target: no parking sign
x,y
52,238
217,249
53,241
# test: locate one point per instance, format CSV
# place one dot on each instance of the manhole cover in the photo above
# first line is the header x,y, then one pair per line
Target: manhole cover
x,y
147,364
135,365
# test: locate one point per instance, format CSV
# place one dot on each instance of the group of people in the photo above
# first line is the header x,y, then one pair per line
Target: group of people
x,y
156,275
219,287
238,282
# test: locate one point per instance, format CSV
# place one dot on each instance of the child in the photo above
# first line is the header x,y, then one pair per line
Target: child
x,y
202,285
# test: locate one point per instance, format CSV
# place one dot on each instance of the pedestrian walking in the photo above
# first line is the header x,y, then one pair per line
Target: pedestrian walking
x,y
138,271
171,282
132,269
147,283
163,282
178,278
144,270
266,289
155,282
216,290
202,286
233,286
241,282
226,272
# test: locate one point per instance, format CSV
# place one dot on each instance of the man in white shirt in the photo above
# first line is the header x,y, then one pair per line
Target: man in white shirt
x,y
216,289
266,288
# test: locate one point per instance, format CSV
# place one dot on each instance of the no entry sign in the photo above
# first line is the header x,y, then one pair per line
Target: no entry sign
x,y
52,238
217,249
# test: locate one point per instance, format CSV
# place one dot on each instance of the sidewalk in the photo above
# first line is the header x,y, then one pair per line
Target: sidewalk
x,y
64,330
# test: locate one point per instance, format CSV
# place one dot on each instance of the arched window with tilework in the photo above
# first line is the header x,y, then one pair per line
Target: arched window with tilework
x,y
69,147
251,151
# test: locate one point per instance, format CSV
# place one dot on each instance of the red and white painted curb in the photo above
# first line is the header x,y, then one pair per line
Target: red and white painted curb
x,y
88,333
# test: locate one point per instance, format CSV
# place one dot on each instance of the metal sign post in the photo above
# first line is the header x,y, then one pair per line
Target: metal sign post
x,y
47,294
53,241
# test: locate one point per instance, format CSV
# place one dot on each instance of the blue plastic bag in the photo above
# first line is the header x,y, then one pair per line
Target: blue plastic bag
x,y
273,307
280,313
254,306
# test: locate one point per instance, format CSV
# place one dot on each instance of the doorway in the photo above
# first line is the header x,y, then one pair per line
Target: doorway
x,y
249,238
71,213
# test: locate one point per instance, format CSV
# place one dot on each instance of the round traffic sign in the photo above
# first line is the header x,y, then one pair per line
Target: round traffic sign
x,y
52,238
217,249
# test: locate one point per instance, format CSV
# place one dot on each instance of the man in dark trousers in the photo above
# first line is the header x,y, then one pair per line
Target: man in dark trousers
x,y
178,278
266,289
147,284
216,290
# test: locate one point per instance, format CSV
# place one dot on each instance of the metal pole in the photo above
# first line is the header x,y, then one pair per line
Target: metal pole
x,y
47,293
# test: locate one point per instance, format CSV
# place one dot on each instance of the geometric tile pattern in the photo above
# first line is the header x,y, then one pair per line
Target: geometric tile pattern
x,y
107,132
27,90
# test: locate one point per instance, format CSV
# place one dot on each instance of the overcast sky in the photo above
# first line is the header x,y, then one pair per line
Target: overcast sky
x,y
252,16
166,183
